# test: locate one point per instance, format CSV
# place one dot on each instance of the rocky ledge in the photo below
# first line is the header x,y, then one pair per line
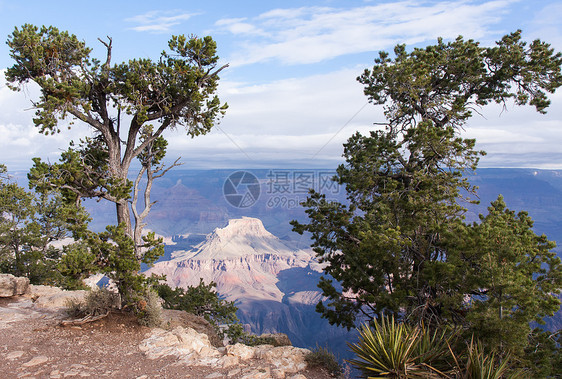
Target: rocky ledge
x,y
251,362
36,315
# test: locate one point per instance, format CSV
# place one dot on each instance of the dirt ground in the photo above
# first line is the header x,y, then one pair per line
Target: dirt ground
x,y
34,345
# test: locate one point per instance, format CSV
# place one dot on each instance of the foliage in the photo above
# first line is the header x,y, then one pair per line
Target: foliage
x,y
445,82
483,366
115,257
101,301
76,264
387,248
514,276
203,300
97,302
82,172
322,357
543,354
149,310
30,223
398,350
235,333
179,89
176,90
400,245
390,349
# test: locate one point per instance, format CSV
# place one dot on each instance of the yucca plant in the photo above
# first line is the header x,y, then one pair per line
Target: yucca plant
x,y
395,350
480,365
433,348
390,349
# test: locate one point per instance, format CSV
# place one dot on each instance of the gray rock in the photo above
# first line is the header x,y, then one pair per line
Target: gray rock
x,y
241,351
21,285
54,297
186,343
173,318
6,285
12,286
191,347
15,355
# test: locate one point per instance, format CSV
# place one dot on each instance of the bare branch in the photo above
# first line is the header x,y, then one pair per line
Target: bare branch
x,y
175,164
108,46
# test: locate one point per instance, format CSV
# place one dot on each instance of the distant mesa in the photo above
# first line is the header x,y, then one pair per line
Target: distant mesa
x,y
240,238
272,283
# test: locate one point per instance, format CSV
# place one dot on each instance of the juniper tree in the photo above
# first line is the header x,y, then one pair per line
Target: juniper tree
x,y
128,105
30,222
396,247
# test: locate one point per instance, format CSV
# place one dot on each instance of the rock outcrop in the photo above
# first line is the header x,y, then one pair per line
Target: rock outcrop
x,y
172,318
54,297
245,261
272,281
195,348
13,286
277,339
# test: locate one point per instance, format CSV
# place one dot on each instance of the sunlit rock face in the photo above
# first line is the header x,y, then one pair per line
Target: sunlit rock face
x,y
272,283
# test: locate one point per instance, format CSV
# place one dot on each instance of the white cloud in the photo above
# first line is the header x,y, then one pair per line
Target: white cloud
x,y
158,21
300,122
19,138
296,123
239,26
313,34
519,137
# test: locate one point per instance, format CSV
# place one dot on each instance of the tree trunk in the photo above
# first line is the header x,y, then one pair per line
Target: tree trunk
x,y
123,216
119,170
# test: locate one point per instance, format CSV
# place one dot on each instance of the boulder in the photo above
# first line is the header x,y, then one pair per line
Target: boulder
x,y
193,348
21,285
54,297
172,318
185,343
241,351
289,358
13,286
262,373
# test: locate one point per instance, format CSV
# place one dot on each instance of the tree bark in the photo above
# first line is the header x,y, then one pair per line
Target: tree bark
x,y
119,170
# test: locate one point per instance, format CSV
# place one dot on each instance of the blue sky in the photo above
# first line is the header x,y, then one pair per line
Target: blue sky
x,y
291,82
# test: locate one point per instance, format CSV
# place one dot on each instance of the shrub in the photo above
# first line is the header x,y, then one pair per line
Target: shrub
x,y
322,357
75,265
204,301
95,303
249,339
397,350
149,310
543,354
485,366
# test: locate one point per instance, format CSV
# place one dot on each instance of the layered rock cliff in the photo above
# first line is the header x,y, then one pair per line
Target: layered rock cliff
x,y
272,282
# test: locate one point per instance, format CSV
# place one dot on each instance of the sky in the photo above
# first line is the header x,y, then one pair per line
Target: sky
x,y
291,82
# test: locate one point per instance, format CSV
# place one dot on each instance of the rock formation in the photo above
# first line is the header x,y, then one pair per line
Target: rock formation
x,y
272,283
12,286
37,316
194,348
